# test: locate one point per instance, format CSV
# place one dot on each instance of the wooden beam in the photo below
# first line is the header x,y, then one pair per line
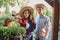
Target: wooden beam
x,y
59,11
55,20
51,2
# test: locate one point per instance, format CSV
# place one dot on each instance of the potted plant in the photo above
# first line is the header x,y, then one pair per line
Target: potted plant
x,y
13,32
16,31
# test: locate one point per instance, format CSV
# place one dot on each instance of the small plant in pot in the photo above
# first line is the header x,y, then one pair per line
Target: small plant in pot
x,y
16,31
12,32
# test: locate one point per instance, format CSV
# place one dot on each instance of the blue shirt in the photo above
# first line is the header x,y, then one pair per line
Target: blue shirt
x,y
40,21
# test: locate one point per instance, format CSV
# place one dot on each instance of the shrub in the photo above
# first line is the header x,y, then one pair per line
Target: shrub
x,y
11,31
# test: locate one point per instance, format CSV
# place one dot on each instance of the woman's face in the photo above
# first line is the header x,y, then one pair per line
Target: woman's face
x,y
26,14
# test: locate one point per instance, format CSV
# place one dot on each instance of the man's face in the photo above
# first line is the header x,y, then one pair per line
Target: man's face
x,y
40,10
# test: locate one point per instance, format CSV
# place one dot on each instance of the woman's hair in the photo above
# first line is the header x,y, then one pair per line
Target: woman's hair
x,y
29,14
33,22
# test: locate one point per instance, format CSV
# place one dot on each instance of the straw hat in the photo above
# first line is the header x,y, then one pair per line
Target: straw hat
x,y
26,8
40,6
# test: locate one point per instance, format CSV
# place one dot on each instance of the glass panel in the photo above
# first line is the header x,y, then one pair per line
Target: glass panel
x,y
13,7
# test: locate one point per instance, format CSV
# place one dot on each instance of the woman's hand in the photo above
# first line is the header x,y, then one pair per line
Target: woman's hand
x,y
31,33
13,15
27,25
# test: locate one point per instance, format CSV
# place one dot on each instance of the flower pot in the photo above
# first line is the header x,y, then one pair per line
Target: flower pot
x,y
7,22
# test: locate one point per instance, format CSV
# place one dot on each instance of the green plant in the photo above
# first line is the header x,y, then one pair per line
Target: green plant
x,y
3,34
11,31
47,13
2,19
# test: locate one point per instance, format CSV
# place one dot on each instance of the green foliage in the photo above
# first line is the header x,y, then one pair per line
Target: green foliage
x,y
2,19
1,2
7,32
7,2
48,13
12,30
1,22
3,33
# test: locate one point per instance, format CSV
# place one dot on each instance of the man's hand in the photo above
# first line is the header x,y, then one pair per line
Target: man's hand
x,y
43,30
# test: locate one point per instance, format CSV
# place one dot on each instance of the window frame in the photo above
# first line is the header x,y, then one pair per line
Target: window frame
x,y
55,20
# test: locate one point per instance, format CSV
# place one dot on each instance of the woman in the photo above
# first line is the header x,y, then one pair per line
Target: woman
x,y
27,20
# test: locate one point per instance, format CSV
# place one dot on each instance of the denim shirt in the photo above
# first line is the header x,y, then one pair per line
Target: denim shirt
x,y
40,21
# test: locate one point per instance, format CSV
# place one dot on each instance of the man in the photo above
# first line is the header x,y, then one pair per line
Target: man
x,y
42,23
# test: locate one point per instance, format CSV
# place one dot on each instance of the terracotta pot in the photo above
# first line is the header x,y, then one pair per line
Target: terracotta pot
x,y
7,22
